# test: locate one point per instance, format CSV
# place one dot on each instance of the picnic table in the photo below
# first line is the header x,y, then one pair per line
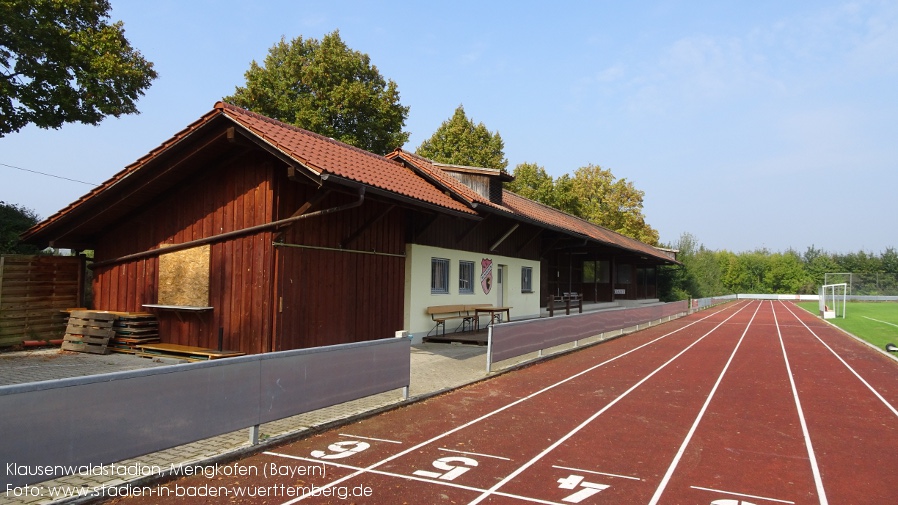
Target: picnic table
x,y
494,312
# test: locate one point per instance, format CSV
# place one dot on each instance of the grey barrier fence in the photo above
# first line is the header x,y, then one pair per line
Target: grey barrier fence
x,y
707,302
517,338
52,428
703,303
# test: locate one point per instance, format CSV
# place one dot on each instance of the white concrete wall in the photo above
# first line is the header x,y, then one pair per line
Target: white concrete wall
x,y
417,286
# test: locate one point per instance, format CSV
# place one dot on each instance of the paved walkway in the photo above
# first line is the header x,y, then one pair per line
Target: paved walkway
x,y
434,368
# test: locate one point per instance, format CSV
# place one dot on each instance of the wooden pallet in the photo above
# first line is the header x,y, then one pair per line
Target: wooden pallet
x,y
186,352
133,329
89,331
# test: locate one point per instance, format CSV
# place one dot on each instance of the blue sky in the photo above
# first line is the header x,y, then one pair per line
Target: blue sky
x,y
747,124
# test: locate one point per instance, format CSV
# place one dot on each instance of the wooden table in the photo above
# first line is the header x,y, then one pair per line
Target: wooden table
x,y
494,312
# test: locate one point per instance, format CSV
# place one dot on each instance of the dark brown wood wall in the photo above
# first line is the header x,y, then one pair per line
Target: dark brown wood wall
x,y
339,294
477,236
562,272
222,197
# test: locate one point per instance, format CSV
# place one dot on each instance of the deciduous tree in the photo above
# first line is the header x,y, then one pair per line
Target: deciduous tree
x,y
326,87
533,182
458,141
613,203
15,219
61,61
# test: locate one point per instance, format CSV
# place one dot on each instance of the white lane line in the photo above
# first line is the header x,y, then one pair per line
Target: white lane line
x,y
593,417
596,473
876,393
500,409
406,477
369,438
883,322
473,453
754,497
818,480
676,461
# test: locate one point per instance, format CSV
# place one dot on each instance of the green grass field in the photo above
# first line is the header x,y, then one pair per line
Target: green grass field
x,y
875,322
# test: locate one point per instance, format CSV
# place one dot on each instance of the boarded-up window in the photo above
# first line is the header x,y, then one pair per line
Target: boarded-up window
x,y
184,277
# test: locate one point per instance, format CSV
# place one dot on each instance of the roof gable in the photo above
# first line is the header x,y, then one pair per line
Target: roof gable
x,y
318,155
322,155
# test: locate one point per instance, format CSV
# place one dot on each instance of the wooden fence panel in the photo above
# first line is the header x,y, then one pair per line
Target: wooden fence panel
x,y
34,292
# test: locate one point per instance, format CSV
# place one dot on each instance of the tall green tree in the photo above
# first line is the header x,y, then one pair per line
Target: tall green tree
x,y
61,61
613,203
15,219
533,182
458,141
326,87
786,274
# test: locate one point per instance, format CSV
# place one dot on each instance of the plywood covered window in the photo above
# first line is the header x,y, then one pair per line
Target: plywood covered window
x,y
184,277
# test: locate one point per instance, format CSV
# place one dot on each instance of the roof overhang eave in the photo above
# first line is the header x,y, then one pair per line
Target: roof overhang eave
x,y
35,234
407,200
517,217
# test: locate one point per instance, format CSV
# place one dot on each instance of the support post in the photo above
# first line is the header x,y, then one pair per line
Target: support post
x,y
254,435
489,348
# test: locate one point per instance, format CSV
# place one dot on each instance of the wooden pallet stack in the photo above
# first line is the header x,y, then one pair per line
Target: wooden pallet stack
x,y
133,329
89,331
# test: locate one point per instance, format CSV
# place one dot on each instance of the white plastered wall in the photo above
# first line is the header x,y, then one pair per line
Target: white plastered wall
x,y
417,286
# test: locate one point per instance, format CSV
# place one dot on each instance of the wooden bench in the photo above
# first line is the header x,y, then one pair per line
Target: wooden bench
x,y
442,313
568,300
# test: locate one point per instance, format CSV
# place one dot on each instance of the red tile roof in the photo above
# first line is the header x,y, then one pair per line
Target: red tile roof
x,y
431,171
558,219
324,155
424,182
319,154
521,207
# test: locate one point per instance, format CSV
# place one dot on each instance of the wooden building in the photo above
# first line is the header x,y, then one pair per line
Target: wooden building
x,y
270,237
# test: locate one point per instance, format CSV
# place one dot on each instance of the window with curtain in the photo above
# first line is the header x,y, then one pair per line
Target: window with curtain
x,y
439,276
466,277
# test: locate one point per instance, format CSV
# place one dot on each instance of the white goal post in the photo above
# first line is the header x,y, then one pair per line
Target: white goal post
x,y
832,300
832,278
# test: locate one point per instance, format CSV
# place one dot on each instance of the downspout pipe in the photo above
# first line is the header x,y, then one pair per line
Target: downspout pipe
x,y
232,234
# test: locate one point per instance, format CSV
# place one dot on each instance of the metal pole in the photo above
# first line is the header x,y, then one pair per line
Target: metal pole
x,y
489,348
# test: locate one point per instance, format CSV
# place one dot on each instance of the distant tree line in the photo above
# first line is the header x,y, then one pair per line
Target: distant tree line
x,y
708,273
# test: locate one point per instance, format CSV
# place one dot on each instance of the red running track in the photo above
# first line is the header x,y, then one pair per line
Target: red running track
x,y
757,402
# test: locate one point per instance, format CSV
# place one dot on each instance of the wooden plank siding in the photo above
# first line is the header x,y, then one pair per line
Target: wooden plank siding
x,y
222,198
456,233
264,298
34,290
339,294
